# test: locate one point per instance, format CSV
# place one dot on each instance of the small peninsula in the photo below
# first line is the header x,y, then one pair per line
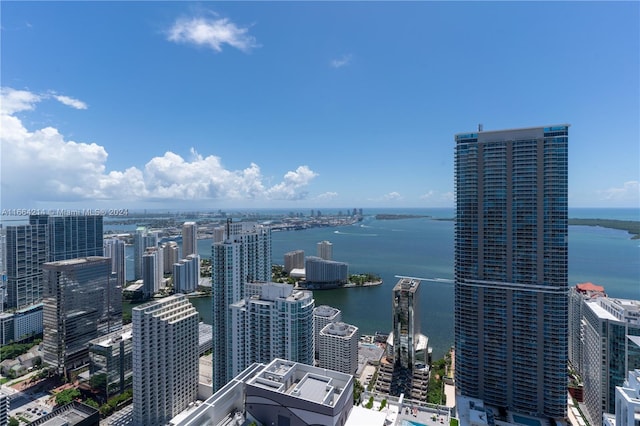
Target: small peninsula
x,y
399,216
631,226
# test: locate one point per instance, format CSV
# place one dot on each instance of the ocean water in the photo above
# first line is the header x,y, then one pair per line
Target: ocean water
x,y
423,248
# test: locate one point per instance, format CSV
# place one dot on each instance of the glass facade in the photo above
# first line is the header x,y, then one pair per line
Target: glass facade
x,y
511,268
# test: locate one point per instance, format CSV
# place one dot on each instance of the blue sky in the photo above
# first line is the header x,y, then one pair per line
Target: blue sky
x,y
305,104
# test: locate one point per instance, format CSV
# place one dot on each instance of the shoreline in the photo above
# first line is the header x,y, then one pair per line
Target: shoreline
x,y
348,285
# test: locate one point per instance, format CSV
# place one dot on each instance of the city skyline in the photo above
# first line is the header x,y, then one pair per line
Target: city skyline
x,y
285,105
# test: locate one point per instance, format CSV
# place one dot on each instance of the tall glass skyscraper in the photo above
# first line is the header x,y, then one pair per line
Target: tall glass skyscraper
x,y
511,268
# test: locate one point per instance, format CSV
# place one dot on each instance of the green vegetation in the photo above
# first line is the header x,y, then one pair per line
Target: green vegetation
x,y
66,396
360,279
14,350
435,394
369,403
116,402
631,226
13,421
278,275
453,422
373,380
382,404
90,402
357,391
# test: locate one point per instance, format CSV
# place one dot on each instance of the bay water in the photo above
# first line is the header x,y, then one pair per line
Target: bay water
x,y
423,247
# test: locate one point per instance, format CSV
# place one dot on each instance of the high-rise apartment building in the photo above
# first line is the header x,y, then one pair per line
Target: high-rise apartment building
x,y
72,237
76,309
165,359
293,260
607,354
170,254
323,315
189,239
114,249
511,268
26,250
325,250
338,349
152,271
278,323
142,239
406,323
577,296
186,273
243,256
111,361
325,273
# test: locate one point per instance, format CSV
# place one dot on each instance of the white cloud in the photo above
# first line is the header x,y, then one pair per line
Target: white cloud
x,y
212,33
629,191
41,165
428,195
341,62
392,196
327,196
74,103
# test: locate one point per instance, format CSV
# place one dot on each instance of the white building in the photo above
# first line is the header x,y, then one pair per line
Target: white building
x,y
170,255
338,349
142,239
325,250
325,273
606,360
186,274
293,260
114,249
152,270
189,239
278,323
165,359
323,315
278,393
628,401
243,256
27,322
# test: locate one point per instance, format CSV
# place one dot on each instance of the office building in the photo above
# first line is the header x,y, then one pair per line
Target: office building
x,y
278,323
511,307
243,256
26,250
114,249
338,349
323,315
111,362
278,393
186,274
320,273
293,260
577,296
607,354
189,239
325,250
76,310
165,359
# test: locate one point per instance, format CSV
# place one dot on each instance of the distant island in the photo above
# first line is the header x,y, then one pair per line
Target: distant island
x,y
399,216
631,226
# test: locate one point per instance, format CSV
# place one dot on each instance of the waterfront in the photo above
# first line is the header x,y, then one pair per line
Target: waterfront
x,y
423,247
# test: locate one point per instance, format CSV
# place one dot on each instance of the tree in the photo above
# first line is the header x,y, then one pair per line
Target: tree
x,y
92,403
13,421
66,396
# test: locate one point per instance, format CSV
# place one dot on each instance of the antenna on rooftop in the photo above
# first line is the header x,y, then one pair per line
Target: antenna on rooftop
x,y
480,127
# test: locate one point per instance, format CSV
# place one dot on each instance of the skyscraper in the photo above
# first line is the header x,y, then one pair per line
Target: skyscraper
x,y
72,237
338,347
189,239
406,323
27,249
114,249
243,256
277,323
142,239
76,309
511,268
325,250
165,359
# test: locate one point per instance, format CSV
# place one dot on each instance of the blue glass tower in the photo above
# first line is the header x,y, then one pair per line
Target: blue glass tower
x,y
511,268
